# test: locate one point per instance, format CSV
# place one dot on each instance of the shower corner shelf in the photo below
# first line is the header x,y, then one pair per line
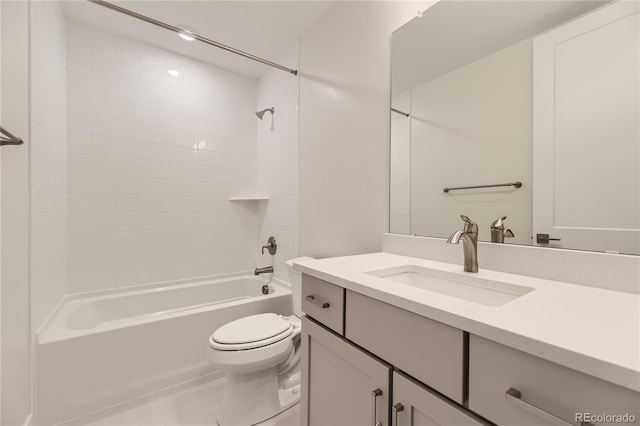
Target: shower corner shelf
x,y
250,198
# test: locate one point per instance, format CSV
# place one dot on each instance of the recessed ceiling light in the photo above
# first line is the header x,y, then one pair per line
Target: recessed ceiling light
x,y
174,73
186,31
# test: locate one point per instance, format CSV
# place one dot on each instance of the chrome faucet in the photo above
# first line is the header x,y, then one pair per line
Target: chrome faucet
x,y
469,237
265,270
498,233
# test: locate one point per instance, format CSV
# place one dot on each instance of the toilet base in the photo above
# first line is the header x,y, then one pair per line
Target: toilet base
x,y
251,398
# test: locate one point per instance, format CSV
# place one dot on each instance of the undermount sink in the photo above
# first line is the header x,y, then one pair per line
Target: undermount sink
x,y
460,285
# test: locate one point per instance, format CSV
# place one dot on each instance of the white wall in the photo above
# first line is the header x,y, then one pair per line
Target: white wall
x,y
15,332
486,141
278,162
0,232
400,161
344,126
153,159
48,160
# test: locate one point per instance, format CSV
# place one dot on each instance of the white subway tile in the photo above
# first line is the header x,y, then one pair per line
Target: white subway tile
x,y
101,107
125,167
102,87
126,130
77,163
101,165
126,148
100,126
151,170
102,204
148,97
126,93
77,123
178,147
125,111
101,145
77,101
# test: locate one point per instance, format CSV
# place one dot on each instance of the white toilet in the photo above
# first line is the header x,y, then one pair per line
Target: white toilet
x,y
260,356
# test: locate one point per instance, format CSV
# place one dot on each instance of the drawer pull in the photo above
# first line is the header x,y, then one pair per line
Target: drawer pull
x,y
311,298
514,396
396,408
374,410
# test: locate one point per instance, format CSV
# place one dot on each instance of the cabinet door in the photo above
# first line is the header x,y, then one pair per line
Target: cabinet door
x,y
416,405
510,387
341,385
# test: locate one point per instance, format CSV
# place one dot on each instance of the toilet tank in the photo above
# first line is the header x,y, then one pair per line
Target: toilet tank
x,y
295,278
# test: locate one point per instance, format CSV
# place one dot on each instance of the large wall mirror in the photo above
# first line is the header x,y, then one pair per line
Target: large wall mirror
x,y
538,97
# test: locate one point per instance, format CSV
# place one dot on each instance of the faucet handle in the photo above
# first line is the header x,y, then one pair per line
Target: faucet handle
x,y
498,224
469,225
271,246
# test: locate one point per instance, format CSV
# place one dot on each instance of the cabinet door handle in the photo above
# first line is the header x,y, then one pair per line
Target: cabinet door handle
x,y
395,409
544,239
374,409
514,396
311,298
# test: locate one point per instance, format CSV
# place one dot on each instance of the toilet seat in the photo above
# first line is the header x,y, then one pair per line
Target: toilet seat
x,y
251,332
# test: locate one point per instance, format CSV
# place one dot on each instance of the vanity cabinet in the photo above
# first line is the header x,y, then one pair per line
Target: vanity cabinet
x,y
351,344
366,362
511,387
324,302
341,384
430,351
416,405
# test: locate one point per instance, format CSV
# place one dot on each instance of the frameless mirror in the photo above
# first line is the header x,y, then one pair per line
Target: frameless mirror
x,y
533,104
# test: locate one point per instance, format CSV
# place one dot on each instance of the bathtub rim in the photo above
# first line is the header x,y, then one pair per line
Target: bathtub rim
x,y
45,335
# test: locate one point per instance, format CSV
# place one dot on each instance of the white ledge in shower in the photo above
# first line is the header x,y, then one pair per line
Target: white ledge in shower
x,y
591,330
250,198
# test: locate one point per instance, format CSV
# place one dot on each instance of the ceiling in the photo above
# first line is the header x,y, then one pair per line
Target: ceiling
x,y
261,28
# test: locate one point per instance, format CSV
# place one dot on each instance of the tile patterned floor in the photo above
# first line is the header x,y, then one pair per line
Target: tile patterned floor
x,y
194,403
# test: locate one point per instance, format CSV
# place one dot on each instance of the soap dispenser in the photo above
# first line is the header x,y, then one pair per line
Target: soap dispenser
x,y
498,233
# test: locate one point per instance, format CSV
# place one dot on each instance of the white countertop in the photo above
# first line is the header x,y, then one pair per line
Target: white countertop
x,y
591,330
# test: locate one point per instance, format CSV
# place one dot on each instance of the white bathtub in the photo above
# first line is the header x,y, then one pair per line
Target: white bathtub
x,y
104,348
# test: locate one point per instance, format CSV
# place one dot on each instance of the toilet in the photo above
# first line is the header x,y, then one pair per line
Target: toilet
x,y
259,355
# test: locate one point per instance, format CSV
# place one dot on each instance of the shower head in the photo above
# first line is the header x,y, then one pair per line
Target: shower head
x,y
260,114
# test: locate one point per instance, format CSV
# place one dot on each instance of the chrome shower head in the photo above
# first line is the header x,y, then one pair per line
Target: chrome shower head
x,y
260,114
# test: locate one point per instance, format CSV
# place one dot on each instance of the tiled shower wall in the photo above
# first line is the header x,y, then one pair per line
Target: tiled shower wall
x,y
48,266
278,162
157,144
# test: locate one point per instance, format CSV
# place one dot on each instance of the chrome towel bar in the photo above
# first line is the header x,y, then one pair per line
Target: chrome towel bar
x,y
516,184
7,138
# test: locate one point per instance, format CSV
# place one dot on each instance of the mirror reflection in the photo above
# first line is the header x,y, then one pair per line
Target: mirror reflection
x,y
522,115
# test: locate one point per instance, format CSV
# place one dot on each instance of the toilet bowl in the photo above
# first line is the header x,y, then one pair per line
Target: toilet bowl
x,y
259,355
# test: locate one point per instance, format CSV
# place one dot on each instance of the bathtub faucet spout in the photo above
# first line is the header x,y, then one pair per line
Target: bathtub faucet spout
x,y
265,270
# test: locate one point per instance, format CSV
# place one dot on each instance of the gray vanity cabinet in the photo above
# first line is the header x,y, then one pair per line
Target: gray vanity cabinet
x,y
344,383
510,387
366,362
341,385
428,350
416,405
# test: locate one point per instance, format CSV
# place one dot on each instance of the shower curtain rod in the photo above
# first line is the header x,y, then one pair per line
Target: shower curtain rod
x,y
196,36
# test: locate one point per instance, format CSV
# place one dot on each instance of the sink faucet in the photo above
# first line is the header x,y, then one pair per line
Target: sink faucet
x,y
469,237
265,270
498,233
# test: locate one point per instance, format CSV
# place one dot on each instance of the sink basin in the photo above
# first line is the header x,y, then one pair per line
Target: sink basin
x,y
460,285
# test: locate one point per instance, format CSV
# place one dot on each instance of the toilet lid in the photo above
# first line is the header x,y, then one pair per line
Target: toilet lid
x,y
250,329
